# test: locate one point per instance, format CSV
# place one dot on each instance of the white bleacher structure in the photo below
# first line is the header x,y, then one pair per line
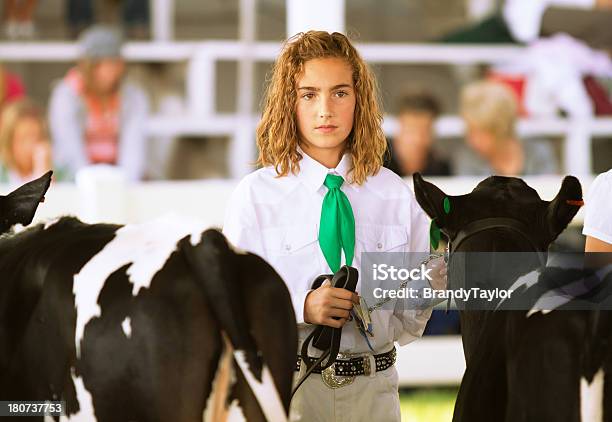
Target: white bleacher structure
x,y
430,361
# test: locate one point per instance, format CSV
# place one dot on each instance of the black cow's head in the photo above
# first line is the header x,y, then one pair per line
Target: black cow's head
x,y
505,197
19,206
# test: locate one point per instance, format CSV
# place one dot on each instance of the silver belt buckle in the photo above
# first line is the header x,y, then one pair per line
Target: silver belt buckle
x,y
334,381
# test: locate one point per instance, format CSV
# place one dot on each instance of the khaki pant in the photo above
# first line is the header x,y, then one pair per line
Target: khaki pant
x,y
368,398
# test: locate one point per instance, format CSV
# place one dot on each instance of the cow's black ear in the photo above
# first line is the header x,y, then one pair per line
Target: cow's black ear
x,y
19,206
563,208
430,198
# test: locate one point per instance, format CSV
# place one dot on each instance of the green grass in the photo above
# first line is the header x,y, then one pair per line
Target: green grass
x,y
428,405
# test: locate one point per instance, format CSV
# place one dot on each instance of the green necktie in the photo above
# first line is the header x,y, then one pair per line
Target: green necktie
x,y
337,226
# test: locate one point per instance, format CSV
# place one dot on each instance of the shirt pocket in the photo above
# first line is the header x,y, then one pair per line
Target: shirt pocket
x,y
382,238
293,252
291,240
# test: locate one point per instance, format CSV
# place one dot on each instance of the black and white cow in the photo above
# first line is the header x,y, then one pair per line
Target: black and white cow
x,y
162,321
520,366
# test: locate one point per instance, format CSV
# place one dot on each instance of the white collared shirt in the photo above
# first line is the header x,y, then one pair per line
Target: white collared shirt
x,y
278,219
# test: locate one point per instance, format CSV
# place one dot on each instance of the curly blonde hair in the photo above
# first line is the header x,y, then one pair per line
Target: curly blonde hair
x,y
277,133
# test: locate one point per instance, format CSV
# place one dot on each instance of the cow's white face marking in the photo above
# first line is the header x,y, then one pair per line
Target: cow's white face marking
x,y
126,325
86,409
146,247
265,391
591,398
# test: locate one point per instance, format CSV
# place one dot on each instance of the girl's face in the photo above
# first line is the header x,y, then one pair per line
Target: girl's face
x,y
325,107
28,136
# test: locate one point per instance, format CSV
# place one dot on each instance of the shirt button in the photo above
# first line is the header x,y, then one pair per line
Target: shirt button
x,y
287,247
379,246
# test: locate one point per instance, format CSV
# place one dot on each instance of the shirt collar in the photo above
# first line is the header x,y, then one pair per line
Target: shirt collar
x,y
312,173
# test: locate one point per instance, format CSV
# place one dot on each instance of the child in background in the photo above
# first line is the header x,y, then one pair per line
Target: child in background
x,y
490,112
25,150
412,147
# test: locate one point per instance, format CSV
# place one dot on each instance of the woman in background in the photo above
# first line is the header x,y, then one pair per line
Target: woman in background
x,y
96,116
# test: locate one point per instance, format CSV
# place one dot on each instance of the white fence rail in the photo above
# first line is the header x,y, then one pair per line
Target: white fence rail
x,y
206,199
431,361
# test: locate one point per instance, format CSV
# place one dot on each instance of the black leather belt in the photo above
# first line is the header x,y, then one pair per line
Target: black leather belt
x,y
359,365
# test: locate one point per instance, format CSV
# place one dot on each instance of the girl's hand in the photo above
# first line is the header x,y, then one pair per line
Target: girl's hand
x,y
329,306
438,273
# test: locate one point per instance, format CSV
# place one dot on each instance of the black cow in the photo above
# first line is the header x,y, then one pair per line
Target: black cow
x,y
520,366
162,321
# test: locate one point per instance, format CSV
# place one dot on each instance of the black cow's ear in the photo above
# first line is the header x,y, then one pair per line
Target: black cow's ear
x,y
431,199
19,206
563,208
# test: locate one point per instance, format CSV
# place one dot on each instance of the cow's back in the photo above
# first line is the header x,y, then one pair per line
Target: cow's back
x,y
145,354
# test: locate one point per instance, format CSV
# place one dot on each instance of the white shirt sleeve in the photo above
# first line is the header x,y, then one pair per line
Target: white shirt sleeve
x,y
409,324
598,209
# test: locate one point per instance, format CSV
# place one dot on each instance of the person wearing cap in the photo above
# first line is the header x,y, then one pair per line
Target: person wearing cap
x,y
95,116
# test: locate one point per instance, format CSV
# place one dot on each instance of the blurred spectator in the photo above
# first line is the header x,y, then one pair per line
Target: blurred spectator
x,y
25,150
134,13
11,87
489,110
411,150
18,19
96,116
548,64
524,17
523,21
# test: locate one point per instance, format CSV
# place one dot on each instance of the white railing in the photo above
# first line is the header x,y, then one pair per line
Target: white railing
x,y
202,118
205,199
431,361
